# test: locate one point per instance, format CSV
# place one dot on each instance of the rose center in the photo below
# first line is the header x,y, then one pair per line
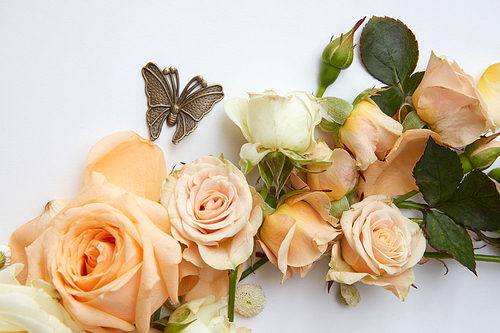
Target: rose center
x,y
97,255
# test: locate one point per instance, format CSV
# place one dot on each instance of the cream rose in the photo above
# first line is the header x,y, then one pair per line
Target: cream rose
x,y
449,102
213,212
275,120
298,233
379,247
108,252
31,309
369,133
206,316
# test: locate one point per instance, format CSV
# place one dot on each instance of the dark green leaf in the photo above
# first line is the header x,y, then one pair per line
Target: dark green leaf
x,y
475,204
388,49
437,173
412,83
389,101
447,236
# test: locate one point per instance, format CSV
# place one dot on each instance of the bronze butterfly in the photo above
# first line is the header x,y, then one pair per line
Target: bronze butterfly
x,y
167,105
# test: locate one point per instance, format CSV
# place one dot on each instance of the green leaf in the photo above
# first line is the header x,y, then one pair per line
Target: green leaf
x,y
339,206
337,108
390,100
279,167
475,204
388,49
176,328
447,236
437,173
412,83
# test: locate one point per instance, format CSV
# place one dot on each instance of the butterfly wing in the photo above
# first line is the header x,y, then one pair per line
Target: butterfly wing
x,y
160,98
193,107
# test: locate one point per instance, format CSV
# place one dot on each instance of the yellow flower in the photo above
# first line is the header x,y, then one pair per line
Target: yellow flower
x,y
489,86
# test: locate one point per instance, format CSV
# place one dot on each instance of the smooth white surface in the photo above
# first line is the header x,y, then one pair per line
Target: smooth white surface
x,y
70,74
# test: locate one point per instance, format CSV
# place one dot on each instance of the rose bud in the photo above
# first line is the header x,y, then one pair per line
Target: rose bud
x,y
489,86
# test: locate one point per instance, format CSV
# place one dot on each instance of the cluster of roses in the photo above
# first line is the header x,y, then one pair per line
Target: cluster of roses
x,y
370,240
135,236
115,254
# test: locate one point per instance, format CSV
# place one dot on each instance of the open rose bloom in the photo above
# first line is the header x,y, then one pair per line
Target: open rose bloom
x,y
213,212
109,251
449,102
298,233
379,246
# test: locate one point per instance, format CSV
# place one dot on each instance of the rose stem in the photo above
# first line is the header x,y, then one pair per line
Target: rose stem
x,y
255,266
478,257
233,276
404,197
412,205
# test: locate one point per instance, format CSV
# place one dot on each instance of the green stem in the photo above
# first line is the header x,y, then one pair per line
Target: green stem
x,y
321,91
478,257
255,266
412,205
404,197
233,276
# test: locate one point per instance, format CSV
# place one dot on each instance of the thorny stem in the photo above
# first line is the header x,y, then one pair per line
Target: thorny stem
x,y
254,267
478,257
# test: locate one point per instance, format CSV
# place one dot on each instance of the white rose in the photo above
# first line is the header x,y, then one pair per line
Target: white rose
x,y
31,309
206,316
275,120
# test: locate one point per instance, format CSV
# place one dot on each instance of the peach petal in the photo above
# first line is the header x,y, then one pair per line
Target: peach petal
x,y
130,162
394,175
399,285
340,271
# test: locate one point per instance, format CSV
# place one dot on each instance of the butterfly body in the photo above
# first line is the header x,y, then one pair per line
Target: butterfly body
x,y
168,105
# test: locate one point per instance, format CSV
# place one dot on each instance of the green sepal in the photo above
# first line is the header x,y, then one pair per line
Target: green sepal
x,y
176,328
367,93
447,236
494,241
246,166
413,121
288,195
277,168
337,207
388,49
337,108
438,173
495,174
329,126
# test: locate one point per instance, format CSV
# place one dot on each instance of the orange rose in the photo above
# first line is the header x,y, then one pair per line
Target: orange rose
x,y
338,178
369,133
109,252
298,233
449,102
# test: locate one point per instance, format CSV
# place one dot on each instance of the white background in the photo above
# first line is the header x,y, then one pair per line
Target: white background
x,y
70,74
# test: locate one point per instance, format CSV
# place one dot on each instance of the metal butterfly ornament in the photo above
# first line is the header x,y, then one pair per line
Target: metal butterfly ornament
x,y
167,105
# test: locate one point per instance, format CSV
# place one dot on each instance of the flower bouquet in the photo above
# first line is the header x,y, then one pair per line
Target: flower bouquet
x,y
400,175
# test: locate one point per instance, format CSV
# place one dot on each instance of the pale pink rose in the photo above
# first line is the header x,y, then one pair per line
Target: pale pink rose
x,y
379,246
394,175
298,233
109,251
449,102
337,179
368,133
213,212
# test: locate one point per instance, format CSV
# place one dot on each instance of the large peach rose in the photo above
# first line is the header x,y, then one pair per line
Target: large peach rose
x,y
339,178
108,252
213,212
298,233
449,102
379,246
369,133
